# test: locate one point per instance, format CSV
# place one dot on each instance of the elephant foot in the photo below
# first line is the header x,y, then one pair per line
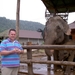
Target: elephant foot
x,y
66,74
68,69
57,68
73,69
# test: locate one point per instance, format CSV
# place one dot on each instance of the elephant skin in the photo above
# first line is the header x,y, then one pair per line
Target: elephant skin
x,y
56,32
67,55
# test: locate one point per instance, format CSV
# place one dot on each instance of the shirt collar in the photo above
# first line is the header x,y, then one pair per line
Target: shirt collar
x,y
10,40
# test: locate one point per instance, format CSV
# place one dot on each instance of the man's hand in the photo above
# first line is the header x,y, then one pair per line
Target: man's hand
x,y
16,50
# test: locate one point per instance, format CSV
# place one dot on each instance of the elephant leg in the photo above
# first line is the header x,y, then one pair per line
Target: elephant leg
x,y
56,57
71,58
49,53
48,65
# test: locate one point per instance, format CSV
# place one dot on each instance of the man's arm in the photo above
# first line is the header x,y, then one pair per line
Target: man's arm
x,y
5,52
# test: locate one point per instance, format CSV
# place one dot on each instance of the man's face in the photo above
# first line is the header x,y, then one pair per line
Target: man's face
x,y
12,35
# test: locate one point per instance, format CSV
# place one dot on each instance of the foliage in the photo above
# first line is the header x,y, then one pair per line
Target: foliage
x,y
24,25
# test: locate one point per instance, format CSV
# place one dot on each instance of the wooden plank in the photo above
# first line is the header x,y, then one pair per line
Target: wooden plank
x,y
55,47
49,62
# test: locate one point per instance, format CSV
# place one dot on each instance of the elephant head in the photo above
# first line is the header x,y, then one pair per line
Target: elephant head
x,y
55,32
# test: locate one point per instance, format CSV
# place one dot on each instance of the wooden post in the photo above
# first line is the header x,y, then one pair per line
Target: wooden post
x,y
17,19
30,65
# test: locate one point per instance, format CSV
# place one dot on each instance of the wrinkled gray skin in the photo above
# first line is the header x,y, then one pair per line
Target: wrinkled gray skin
x,y
55,33
67,55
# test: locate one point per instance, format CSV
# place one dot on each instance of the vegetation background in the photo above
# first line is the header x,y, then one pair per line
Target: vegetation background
x,y
24,25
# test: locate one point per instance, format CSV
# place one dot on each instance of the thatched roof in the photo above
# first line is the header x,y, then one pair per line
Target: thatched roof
x,y
4,33
60,6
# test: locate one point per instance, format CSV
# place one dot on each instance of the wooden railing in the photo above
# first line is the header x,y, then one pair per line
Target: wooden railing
x,y
29,60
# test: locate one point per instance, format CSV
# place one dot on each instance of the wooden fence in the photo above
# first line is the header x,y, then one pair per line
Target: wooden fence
x,y
29,60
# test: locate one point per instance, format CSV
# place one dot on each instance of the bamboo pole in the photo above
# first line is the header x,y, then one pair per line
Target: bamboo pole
x,y
17,19
55,47
49,62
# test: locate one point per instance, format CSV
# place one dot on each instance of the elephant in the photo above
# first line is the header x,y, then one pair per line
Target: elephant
x,y
56,32
66,55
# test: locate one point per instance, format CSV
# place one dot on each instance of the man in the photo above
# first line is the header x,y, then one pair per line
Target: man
x,y
10,49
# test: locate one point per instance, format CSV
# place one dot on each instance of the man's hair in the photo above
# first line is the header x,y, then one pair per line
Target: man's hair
x,y
12,30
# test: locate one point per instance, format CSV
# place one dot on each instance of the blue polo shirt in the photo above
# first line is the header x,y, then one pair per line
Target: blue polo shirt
x,y
11,60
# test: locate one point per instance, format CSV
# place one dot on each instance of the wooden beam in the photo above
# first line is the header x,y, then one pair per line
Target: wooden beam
x,y
54,5
55,47
49,62
66,6
60,7
17,19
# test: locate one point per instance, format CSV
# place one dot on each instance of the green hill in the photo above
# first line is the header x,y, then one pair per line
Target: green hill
x,y
24,25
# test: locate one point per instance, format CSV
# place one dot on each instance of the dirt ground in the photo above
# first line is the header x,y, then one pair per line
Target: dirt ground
x,y
38,69
36,55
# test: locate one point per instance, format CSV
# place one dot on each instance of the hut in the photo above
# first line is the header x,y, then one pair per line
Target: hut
x,y
25,36
72,26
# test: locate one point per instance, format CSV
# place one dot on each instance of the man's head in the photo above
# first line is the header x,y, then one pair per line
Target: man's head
x,y
12,34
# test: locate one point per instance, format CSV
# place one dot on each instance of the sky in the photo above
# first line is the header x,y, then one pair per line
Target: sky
x,y
30,10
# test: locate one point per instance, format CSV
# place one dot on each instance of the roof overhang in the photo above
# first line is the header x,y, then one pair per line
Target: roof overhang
x,y
60,6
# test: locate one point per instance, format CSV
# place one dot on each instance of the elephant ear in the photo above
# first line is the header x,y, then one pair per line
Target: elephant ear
x,y
63,25
60,35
